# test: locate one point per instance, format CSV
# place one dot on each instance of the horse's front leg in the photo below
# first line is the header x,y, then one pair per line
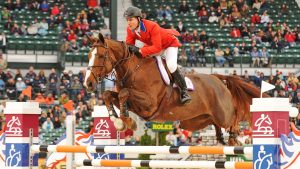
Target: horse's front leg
x,y
110,98
128,122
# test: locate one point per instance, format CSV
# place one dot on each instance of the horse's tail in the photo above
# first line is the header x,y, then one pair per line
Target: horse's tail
x,y
242,93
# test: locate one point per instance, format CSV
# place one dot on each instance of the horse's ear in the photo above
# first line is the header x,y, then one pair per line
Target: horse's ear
x,y
101,38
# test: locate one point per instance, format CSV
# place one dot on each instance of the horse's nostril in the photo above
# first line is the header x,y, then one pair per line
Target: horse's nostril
x,y
90,84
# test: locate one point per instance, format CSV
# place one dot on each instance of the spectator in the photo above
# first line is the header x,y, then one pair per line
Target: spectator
x,y
40,98
180,27
15,30
255,18
53,75
276,45
203,15
243,49
76,26
32,29
49,99
168,13
184,8
264,5
255,55
92,16
265,57
59,21
201,56
235,13
93,100
160,13
92,3
252,28
5,14
2,89
36,85
3,62
65,86
236,50
20,85
30,75
186,37
183,57
216,4
235,33
52,87
213,44
256,5
244,30
85,43
244,11
284,10
55,10
93,26
9,24
200,6
48,125
203,38
76,87
72,36
18,74
23,29
44,7
10,89
192,56
195,36
56,123
228,56
84,27
223,5
219,55
265,18
106,31
64,98
33,5
290,37
10,5
74,46
43,28
239,4
213,18
3,42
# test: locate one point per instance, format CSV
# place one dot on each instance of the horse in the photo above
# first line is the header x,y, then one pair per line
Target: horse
x,y
222,101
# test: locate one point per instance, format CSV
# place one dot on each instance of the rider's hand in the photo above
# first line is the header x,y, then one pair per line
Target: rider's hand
x,y
135,50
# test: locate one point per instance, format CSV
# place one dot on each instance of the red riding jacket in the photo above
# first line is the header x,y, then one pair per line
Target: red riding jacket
x,y
154,37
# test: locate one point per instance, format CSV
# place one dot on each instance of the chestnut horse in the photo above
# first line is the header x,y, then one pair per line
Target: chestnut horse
x,y
222,101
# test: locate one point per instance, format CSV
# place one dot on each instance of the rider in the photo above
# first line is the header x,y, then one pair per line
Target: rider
x,y
156,40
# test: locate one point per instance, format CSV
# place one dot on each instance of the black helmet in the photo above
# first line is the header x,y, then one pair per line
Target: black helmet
x,y
133,12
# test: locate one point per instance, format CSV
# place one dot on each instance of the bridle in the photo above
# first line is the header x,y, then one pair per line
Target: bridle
x,y
114,62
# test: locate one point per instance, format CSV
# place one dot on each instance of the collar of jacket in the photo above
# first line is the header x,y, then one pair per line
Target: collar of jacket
x,y
142,27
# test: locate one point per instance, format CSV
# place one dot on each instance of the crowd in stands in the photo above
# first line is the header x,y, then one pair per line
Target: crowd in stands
x,y
257,27
58,18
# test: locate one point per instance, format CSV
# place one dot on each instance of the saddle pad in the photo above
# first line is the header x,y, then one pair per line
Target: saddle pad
x,y
166,78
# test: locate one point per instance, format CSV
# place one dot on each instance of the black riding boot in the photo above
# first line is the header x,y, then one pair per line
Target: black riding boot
x,y
180,82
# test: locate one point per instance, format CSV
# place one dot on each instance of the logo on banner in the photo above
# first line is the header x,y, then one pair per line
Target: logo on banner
x,y
104,156
13,127
263,126
14,157
102,130
264,160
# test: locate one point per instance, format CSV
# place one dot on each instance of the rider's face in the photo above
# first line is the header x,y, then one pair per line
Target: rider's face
x,y
132,22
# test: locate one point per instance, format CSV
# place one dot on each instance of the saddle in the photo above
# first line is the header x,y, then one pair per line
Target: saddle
x,y
166,76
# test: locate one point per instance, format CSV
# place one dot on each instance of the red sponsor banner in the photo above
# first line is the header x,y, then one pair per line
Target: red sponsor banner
x,y
104,129
270,124
18,125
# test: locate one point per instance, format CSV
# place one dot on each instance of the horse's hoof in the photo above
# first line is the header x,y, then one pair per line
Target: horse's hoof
x,y
119,124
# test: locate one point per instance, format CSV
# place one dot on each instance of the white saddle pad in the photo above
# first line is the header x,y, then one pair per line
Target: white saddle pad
x,y
165,77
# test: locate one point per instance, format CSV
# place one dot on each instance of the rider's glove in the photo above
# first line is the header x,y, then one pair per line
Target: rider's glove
x,y
135,50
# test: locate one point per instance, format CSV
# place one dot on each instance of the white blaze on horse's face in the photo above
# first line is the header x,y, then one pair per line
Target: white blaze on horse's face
x,y
91,64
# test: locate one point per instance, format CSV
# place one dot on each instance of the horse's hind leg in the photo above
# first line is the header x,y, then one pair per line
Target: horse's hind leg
x,y
219,134
129,122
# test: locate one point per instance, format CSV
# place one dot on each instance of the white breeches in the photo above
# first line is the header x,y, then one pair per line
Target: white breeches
x,y
171,54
